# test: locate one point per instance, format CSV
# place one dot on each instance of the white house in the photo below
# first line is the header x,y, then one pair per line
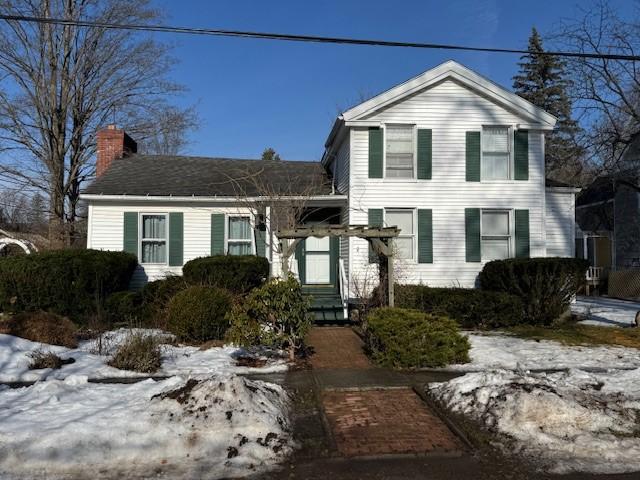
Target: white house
x,y
451,158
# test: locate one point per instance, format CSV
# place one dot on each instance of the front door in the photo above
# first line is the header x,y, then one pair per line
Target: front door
x,y
318,260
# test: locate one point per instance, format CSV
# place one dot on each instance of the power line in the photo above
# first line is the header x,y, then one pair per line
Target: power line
x,y
302,38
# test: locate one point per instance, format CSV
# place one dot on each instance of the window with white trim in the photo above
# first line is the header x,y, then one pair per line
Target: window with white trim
x,y
239,236
399,151
153,238
496,235
496,153
404,243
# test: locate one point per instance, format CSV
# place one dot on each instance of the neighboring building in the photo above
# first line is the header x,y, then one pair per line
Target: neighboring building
x,y
608,222
451,158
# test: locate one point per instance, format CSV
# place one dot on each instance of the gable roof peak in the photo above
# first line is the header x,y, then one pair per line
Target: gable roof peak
x,y
462,74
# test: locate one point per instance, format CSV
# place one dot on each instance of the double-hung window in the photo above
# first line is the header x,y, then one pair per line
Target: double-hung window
x,y
153,241
404,243
239,236
496,235
496,153
399,151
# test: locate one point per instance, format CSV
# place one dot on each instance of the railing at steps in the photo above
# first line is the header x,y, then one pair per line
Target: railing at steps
x,y
344,289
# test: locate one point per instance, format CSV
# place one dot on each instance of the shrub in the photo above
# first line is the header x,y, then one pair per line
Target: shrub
x,y
197,314
238,274
275,314
126,306
403,338
471,308
66,282
545,285
139,352
43,327
156,296
41,359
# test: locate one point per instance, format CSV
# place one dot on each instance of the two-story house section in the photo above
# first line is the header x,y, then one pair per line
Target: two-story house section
x,y
452,159
457,162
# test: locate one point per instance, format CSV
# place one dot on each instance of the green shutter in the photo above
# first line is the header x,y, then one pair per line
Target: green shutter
x,y
130,233
472,234
522,233
425,236
424,154
472,153
301,253
375,220
176,239
261,237
217,234
375,152
521,155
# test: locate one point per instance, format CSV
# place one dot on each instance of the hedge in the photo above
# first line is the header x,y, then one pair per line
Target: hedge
x,y
403,338
198,313
545,285
236,273
471,308
66,282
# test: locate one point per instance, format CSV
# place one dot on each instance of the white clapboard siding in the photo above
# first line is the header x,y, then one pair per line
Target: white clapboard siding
x,y
560,223
107,223
449,109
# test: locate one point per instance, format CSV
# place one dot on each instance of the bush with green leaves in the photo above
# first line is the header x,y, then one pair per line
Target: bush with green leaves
x,y
471,308
409,339
238,274
198,313
125,307
275,314
546,286
156,296
67,282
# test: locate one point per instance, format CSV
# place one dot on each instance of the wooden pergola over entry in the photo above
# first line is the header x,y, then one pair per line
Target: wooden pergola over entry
x,y
380,239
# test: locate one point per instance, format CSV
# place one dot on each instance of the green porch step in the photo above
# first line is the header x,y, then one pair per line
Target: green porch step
x,y
326,306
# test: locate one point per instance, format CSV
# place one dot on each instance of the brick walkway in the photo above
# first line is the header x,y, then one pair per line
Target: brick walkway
x,y
336,348
385,421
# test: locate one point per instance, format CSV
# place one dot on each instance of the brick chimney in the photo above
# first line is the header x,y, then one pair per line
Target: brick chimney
x,y
113,143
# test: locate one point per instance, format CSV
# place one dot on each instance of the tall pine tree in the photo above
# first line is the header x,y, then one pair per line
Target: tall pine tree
x,y
542,81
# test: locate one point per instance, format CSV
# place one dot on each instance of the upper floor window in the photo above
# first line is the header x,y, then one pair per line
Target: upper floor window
x,y
399,151
404,243
496,153
239,238
496,235
153,241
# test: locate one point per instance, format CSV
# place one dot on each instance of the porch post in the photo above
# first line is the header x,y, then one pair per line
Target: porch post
x,y
390,272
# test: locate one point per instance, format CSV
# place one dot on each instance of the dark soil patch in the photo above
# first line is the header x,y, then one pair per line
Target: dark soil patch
x,y
180,395
251,362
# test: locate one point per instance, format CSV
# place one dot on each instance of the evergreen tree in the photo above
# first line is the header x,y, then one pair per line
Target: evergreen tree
x,y
270,154
542,81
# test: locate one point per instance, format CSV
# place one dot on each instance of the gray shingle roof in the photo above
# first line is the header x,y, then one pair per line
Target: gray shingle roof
x,y
166,175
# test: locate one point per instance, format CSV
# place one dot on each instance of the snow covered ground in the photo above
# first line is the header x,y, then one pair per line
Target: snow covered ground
x,y
501,351
223,426
568,421
176,360
215,423
606,312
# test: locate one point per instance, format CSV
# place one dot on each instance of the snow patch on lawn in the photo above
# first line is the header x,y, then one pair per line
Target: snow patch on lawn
x,y
501,351
222,426
606,312
176,359
569,421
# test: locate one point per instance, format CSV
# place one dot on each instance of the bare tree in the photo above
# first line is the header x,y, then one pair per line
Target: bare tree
x,y
606,92
60,83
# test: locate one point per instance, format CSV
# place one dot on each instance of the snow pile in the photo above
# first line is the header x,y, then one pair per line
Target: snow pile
x,y
569,421
606,312
501,351
225,425
176,359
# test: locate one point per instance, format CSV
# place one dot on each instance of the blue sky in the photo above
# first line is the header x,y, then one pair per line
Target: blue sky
x,y
252,94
